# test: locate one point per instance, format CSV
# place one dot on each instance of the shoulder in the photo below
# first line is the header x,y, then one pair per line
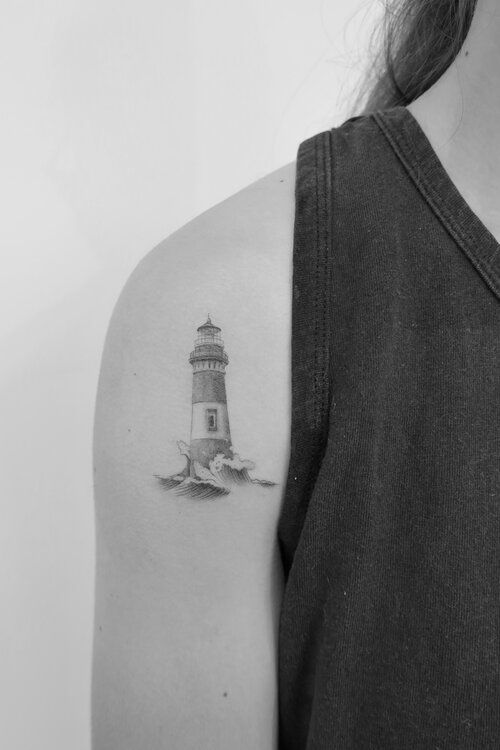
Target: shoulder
x,y
235,257
178,580
252,226
234,261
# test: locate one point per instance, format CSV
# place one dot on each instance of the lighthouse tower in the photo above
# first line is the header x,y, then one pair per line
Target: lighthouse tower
x,y
210,422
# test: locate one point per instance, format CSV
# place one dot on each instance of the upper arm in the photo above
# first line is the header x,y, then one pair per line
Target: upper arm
x,y
188,584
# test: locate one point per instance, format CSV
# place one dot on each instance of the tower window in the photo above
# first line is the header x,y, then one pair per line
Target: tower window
x,y
211,419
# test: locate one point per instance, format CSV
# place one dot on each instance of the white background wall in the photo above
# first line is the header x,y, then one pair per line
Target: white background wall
x,y
119,122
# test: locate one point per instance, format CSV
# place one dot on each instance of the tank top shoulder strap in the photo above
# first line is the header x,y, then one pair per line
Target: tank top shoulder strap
x,y
310,347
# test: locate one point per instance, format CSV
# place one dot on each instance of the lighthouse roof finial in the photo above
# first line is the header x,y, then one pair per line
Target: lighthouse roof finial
x,y
208,324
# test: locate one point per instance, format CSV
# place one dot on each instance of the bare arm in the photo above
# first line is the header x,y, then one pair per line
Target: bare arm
x,y
191,453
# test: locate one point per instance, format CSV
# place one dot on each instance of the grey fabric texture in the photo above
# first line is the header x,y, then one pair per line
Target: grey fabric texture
x,y
389,531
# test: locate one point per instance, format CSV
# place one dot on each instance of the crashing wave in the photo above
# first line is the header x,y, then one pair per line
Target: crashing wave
x,y
199,481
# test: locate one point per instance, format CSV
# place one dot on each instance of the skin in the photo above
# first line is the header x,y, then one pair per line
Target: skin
x,y
460,116
187,590
188,593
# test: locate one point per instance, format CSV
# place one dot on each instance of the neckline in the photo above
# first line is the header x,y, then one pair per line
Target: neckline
x,y
408,140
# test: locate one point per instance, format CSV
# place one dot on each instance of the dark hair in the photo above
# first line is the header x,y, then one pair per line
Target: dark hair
x,y
420,40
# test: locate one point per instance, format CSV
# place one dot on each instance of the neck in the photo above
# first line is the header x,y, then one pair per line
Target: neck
x,y
460,115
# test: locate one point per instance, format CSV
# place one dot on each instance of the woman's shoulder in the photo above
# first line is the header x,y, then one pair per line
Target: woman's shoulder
x,y
241,243
239,249
252,224
168,564
235,260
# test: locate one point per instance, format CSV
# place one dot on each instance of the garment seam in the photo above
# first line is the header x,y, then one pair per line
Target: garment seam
x,y
402,146
322,342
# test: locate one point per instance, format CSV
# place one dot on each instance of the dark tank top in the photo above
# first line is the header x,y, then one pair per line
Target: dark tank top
x,y
389,531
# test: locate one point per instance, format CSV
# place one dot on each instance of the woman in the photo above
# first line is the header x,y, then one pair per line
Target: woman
x,y
342,592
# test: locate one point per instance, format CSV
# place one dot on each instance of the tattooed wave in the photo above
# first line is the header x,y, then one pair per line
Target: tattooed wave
x,y
201,482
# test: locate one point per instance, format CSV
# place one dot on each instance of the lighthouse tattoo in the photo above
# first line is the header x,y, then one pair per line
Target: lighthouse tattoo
x,y
211,465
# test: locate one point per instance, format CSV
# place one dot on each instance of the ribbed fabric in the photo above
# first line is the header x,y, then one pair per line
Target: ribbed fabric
x,y
389,531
